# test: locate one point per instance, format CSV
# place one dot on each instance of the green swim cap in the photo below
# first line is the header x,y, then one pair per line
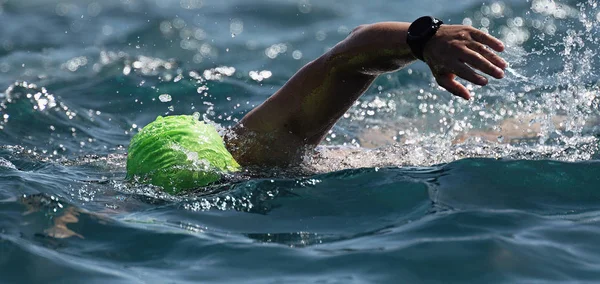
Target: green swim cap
x,y
178,153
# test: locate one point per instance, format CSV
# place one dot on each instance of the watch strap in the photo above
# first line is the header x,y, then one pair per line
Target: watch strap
x,y
417,42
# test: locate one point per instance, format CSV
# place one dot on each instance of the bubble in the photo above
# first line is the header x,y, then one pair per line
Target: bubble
x,y
518,21
178,23
199,34
497,8
166,27
274,50
236,27
343,30
321,35
297,54
485,22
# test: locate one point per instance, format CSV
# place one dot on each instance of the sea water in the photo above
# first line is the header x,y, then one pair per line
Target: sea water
x,y
412,185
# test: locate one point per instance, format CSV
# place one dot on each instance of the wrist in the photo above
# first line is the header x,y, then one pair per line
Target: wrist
x,y
420,33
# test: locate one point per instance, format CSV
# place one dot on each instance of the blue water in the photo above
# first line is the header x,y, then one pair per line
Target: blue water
x,y
410,186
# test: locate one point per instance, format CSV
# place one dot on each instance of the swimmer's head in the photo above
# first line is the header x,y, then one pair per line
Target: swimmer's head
x,y
178,153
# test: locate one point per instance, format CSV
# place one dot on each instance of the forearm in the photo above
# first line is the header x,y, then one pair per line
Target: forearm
x,y
372,49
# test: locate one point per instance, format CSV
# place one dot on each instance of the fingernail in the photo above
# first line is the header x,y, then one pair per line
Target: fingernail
x,y
502,46
500,73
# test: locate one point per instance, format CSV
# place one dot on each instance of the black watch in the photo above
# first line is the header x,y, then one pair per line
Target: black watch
x,y
420,32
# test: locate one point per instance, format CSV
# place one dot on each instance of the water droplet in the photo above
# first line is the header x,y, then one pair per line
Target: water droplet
x,y
165,98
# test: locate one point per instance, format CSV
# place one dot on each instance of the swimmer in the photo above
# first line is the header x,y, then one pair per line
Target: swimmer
x,y
298,116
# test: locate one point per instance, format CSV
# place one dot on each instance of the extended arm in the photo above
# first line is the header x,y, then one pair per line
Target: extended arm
x,y
309,104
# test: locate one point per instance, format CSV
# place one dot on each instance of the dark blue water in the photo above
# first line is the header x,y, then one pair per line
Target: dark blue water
x,y
424,188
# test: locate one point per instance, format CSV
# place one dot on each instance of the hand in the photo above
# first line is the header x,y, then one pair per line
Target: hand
x,y
455,50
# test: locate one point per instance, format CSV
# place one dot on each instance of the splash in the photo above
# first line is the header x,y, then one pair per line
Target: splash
x,y
544,108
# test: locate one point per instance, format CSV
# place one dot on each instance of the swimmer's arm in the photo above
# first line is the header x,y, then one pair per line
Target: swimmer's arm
x,y
309,104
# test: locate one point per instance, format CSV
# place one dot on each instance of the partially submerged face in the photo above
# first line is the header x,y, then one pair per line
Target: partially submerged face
x,y
178,153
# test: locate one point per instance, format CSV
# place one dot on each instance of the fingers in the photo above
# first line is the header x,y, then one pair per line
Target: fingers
x,y
462,70
447,82
487,39
489,55
476,60
460,50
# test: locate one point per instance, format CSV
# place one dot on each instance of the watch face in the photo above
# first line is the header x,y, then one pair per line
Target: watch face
x,y
421,26
419,32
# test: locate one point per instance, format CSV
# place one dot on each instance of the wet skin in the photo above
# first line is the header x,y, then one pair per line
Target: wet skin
x,y
299,115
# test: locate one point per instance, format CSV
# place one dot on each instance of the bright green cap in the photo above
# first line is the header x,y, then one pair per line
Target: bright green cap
x,y
178,153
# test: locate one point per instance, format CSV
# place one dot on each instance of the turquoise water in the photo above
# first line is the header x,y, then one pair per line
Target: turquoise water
x,y
410,186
